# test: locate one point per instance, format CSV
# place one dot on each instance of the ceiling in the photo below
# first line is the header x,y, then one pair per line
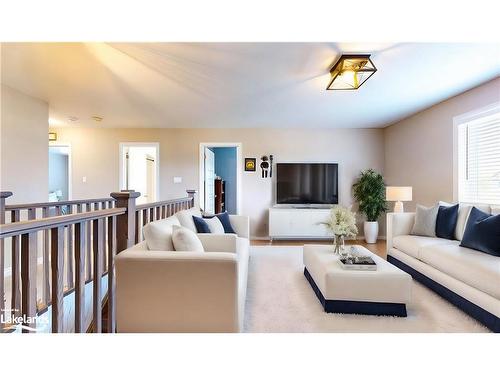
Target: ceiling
x,y
186,85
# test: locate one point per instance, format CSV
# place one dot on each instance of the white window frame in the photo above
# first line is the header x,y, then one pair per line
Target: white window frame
x,y
488,110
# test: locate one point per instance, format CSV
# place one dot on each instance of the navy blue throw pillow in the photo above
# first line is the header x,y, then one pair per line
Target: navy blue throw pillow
x,y
482,232
446,222
201,225
224,220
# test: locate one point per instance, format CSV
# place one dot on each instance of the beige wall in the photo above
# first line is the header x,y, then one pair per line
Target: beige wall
x,y
419,149
95,155
24,147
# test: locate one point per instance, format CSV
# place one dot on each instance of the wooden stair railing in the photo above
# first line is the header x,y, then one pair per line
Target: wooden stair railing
x,y
148,212
32,211
89,238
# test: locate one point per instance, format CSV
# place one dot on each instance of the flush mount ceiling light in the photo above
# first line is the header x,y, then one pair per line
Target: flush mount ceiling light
x,y
97,118
350,72
73,118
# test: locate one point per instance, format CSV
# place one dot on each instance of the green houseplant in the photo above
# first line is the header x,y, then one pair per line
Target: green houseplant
x,y
369,192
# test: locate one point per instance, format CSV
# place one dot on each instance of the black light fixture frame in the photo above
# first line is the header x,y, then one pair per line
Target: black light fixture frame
x,y
346,57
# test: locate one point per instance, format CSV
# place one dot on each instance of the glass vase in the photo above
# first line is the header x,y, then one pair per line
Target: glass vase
x,y
338,244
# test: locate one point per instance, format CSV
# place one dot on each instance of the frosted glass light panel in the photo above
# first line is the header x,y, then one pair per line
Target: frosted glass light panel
x,y
350,72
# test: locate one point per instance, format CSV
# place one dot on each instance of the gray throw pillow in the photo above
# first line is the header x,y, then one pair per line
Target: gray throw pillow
x,y
425,221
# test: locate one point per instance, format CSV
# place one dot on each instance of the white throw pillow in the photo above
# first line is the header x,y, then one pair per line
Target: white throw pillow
x,y
158,234
186,240
186,218
425,221
214,225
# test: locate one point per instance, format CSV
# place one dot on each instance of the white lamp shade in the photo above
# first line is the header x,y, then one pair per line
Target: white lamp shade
x,y
398,193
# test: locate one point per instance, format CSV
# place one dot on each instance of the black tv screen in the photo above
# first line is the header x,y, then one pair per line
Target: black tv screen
x,y
307,183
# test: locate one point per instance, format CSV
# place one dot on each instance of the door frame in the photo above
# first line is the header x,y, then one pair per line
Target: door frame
x,y
121,148
239,171
70,165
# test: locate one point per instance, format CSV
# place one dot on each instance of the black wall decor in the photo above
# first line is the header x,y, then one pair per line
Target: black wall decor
x,y
264,165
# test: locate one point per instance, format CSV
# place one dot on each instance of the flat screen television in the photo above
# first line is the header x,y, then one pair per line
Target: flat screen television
x,y
307,183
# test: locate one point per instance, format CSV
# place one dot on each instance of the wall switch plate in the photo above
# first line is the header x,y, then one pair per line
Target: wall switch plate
x,y
84,179
177,180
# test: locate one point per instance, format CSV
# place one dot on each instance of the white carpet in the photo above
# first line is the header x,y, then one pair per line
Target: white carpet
x,y
279,299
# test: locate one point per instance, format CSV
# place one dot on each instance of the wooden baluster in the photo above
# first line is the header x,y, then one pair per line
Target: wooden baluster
x,y
3,195
46,261
28,276
80,235
98,234
111,274
57,263
158,213
145,217
151,214
137,227
163,213
88,243
191,193
15,265
69,253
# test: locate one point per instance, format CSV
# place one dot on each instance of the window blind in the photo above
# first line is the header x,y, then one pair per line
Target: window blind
x,y
479,160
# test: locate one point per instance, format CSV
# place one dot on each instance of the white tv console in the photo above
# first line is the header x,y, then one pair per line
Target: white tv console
x,y
298,223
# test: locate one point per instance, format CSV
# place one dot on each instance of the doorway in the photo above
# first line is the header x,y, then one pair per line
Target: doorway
x,y
220,177
140,170
59,172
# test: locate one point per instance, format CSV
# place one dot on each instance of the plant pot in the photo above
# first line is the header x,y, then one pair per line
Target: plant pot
x,y
371,231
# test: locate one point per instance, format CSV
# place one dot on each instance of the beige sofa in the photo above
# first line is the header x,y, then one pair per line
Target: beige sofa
x,y
468,278
170,291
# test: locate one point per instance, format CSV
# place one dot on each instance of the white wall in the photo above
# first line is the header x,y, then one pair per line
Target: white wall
x,y
24,147
419,149
353,149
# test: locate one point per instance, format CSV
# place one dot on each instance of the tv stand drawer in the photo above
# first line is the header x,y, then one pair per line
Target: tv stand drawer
x,y
298,223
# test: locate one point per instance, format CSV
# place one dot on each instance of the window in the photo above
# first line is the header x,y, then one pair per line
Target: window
x,y
479,158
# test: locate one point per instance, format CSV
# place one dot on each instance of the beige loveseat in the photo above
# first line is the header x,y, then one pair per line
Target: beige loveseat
x,y
169,291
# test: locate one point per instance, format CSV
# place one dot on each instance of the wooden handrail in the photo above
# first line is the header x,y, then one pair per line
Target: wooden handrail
x,y
28,226
162,203
55,204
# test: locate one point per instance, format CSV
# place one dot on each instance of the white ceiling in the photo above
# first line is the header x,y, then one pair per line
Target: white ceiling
x,y
239,84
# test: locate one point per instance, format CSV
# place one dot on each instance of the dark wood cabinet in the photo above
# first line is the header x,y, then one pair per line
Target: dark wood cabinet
x,y
220,196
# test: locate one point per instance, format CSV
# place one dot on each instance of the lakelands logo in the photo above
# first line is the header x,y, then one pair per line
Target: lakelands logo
x,y
15,321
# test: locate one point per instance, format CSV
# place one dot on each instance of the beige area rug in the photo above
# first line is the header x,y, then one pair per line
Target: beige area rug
x,y
279,299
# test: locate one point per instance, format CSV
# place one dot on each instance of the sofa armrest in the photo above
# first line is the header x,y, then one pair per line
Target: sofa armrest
x,y
168,291
241,225
218,242
398,224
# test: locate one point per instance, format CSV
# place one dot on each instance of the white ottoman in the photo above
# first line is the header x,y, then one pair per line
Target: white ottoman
x,y
385,291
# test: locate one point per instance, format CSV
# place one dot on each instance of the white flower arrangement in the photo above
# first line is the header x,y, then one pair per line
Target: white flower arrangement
x,y
342,222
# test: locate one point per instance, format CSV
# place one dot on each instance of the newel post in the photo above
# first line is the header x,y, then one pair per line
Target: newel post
x,y
3,195
125,224
191,194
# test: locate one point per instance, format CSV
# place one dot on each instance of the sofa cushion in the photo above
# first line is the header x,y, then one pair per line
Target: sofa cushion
x,y
224,220
185,239
472,267
186,217
425,221
463,215
411,244
446,221
201,225
482,232
158,234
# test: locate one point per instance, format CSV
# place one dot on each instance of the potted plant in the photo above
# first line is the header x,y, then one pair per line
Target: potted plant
x,y
342,224
369,192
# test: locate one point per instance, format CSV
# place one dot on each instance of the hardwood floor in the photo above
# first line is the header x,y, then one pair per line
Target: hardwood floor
x,y
378,248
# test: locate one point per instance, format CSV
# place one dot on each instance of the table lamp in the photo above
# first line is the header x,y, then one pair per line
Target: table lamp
x,y
398,194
